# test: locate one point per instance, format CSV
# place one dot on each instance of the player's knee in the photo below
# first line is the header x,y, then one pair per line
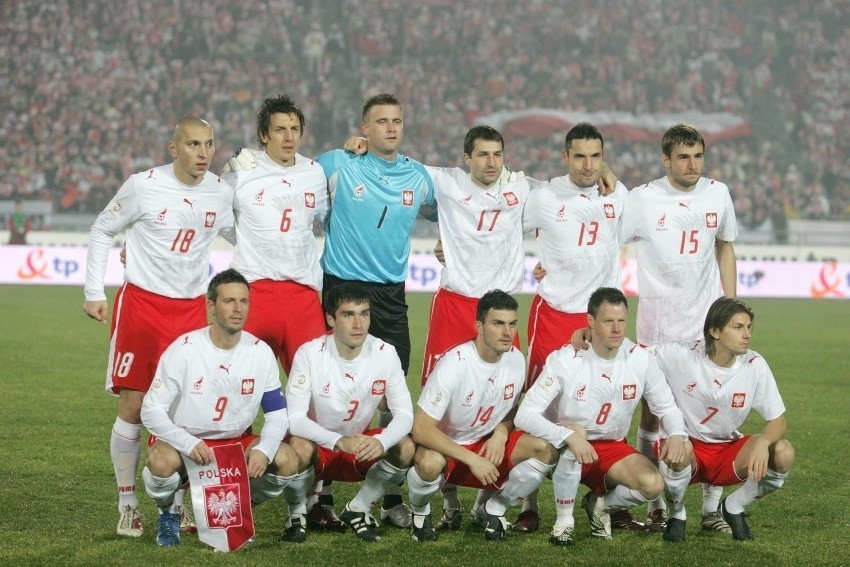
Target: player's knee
x,y
651,484
305,450
783,455
543,451
429,464
406,450
286,461
163,460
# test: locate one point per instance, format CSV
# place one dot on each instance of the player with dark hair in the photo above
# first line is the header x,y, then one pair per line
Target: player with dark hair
x,y
716,384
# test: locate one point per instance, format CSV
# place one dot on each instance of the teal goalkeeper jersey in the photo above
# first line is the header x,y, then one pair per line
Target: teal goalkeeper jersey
x,y
374,203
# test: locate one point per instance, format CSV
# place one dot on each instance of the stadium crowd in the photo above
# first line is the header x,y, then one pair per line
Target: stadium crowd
x,y
90,85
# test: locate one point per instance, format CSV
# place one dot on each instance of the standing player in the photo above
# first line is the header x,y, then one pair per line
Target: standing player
x,y
583,402
464,425
481,237
275,204
375,199
682,226
717,384
171,215
336,384
188,415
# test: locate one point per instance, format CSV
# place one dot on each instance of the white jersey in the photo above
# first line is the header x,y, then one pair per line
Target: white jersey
x,y
716,400
170,228
469,397
330,397
674,234
481,233
200,392
577,233
598,394
275,207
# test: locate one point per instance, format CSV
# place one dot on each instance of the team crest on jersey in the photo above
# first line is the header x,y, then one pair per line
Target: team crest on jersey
x,y
465,200
511,199
559,216
509,392
258,198
467,401
711,220
358,192
160,216
197,384
310,200
407,197
609,211
739,399
579,397
629,391
379,387
689,389
209,219
247,386
661,224
326,391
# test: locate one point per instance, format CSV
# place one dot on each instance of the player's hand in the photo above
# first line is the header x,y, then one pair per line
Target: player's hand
x,y
243,160
97,310
676,450
483,470
494,448
123,255
758,459
367,448
508,176
438,252
356,145
581,339
539,272
202,454
607,180
258,463
581,448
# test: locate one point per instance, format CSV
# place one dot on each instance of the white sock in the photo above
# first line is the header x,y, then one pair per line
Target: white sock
x,y
161,489
751,491
711,496
179,496
565,480
675,486
267,487
522,481
125,446
380,476
623,497
645,445
450,497
295,492
419,492
482,497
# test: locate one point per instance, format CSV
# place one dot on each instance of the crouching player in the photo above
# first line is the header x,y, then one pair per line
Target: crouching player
x,y
464,429
334,389
208,387
583,402
716,386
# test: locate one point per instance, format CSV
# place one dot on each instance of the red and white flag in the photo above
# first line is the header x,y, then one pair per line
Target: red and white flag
x,y
221,498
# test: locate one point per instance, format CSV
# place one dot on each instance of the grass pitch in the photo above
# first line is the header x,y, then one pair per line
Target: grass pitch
x,y
58,502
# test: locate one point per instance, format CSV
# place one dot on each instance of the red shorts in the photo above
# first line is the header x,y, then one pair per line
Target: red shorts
x,y
285,315
459,474
144,324
610,453
716,462
339,465
245,440
451,322
548,330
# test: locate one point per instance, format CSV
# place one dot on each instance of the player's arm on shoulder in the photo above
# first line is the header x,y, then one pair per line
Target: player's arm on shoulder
x,y
607,180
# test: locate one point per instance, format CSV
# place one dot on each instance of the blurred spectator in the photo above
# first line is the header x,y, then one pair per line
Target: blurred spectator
x,y
19,223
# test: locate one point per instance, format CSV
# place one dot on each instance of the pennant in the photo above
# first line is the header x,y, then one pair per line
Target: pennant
x,y
221,498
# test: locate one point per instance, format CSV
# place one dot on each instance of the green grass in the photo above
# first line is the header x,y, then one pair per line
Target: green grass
x,y
58,502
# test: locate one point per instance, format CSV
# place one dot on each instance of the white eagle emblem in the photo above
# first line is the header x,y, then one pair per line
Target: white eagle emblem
x,y
223,507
